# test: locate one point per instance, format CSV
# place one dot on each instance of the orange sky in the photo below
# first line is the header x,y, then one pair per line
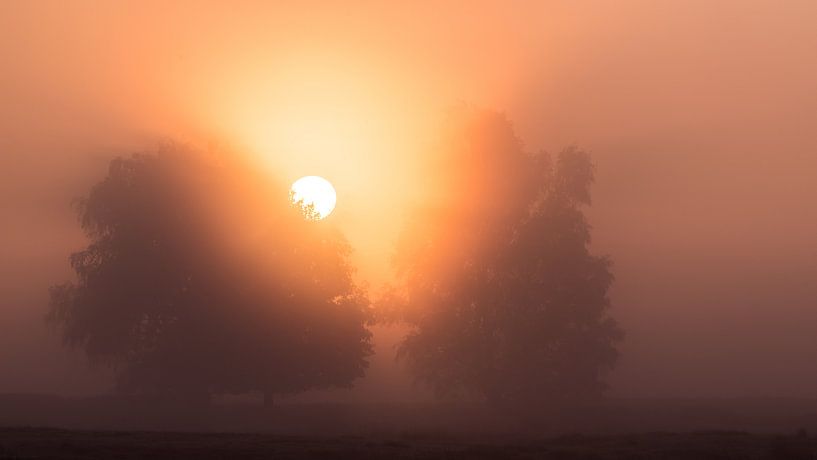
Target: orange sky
x,y
699,114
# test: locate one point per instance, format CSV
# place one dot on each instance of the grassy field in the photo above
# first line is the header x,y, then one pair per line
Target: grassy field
x,y
37,426
38,443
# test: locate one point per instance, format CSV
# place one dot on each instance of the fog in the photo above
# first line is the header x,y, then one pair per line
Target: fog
x,y
699,117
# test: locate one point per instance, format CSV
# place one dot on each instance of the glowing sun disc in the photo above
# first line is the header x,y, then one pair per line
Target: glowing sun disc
x,y
316,191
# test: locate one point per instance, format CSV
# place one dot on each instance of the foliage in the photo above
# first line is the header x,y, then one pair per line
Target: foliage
x,y
199,278
497,279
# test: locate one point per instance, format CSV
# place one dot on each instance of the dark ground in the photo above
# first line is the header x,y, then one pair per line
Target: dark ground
x,y
111,428
41,443
769,416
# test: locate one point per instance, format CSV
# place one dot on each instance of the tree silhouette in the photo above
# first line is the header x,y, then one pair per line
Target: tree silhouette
x,y
505,298
200,278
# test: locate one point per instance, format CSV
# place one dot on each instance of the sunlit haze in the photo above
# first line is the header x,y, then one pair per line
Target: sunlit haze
x,y
698,117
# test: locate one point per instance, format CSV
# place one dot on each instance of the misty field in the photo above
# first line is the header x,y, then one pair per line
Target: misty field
x,y
107,427
19,443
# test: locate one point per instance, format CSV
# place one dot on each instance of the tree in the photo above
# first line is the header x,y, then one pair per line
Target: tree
x,y
497,279
200,277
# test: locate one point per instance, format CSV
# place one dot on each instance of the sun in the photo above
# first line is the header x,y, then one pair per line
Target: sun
x,y
315,191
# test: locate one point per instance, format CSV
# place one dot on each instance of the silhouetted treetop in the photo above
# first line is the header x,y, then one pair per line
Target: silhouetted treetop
x,y
200,276
497,277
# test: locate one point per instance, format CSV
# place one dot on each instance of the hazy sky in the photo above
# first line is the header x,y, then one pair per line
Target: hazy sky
x,y
700,116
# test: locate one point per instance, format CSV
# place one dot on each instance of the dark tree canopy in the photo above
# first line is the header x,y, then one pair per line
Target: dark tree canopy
x,y
505,298
200,277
